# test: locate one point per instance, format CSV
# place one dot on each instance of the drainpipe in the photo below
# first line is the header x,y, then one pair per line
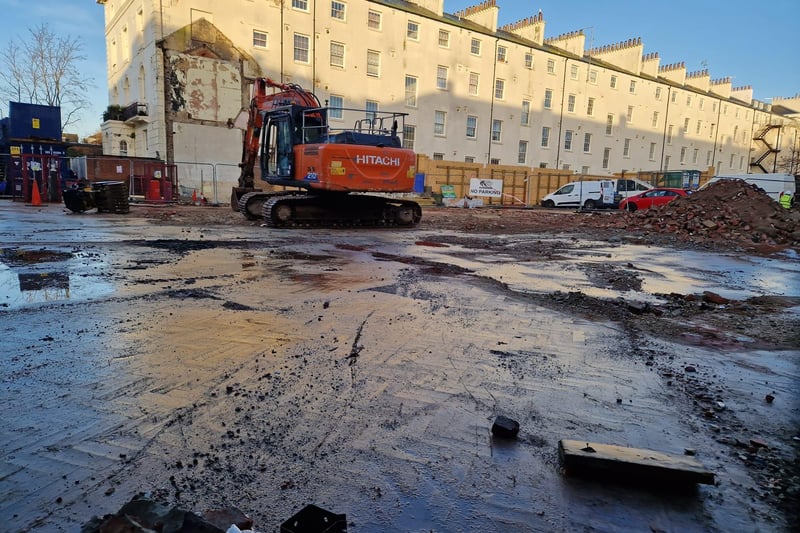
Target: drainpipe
x,y
664,136
716,137
561,114
282,32
313,47
491,105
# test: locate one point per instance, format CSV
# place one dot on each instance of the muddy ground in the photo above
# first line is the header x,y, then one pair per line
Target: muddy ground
x,y
211,362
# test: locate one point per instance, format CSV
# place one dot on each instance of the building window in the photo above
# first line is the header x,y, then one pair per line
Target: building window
x,y
674,97
548,98
439,123
632,89
373,63
590,106
573,72
337,54
652,154
412,30
259,39
626,149
666,162
669,134
338,10
658,93
371,108
587,143
551,66
708,158
441,77
613,82
444,38
699,126
688,100
300,4
474,77
373,20
499,89
733,157
411,91
654,122
571,103
469,159
522,153
629,115
437,156
494,161
497,130
301,48
609,123
409,135
472,126
528,60
123,148
543,164
741,162
593,77
545,136
336,103
525,117
568,135
502,54
686,126
702,104
584,170
606,156
475,47
695,155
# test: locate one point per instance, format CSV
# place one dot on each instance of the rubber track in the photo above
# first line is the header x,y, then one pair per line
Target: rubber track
x,y
336,216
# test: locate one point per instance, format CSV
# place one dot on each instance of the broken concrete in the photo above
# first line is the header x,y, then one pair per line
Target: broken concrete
x,y
620,464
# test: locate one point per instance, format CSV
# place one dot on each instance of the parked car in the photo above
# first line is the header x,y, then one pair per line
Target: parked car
x,y
590,194
652,198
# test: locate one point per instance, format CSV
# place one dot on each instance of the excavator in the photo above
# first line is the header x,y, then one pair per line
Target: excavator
x,y
327,172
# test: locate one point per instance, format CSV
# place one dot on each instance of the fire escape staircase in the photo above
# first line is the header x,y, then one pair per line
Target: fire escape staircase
x,y
770,150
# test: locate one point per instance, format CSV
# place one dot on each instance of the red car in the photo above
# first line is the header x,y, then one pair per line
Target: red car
x,y
652,198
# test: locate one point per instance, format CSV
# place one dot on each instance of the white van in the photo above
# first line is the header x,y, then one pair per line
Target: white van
x,y
591,194
772,184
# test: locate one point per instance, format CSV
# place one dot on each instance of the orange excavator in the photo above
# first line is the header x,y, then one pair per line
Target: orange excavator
x,y
325,168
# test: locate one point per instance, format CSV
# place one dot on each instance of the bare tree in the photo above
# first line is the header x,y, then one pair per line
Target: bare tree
x,y
45,69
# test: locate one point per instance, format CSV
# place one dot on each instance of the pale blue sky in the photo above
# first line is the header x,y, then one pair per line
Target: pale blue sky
x,y
755,44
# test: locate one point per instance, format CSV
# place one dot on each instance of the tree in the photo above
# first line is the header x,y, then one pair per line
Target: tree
x,y
45,69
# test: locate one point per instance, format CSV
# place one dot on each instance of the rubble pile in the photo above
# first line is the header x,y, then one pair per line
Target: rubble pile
x,y
726,210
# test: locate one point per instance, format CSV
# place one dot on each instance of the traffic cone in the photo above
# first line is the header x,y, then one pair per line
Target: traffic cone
x,y
36,199
194,197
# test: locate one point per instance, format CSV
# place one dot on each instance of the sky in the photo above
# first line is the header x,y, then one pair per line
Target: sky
x,y
754,44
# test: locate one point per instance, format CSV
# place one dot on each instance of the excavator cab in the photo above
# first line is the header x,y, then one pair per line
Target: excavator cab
x,y
277,158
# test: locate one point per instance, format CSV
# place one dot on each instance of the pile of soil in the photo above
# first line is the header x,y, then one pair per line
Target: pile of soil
x,y
725,211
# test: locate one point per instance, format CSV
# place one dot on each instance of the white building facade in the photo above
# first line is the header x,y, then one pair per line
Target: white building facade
x,y
181,70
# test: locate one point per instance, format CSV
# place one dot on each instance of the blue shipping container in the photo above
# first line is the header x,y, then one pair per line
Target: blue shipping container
x,y
32,121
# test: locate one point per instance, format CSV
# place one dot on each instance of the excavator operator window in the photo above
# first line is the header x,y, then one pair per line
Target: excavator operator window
x,y
276,157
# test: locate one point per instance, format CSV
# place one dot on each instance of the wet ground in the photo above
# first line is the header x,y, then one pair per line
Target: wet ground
x,y
361,370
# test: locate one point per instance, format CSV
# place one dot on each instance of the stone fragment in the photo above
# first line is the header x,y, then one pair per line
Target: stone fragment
x,y
505,427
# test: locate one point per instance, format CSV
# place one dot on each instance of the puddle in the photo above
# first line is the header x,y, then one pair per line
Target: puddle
x,y
30,277
662,271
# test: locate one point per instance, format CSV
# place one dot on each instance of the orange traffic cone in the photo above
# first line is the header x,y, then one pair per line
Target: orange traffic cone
x,y
194,197
36,199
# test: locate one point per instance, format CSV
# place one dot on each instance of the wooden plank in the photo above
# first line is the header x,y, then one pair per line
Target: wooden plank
x,y
619,463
